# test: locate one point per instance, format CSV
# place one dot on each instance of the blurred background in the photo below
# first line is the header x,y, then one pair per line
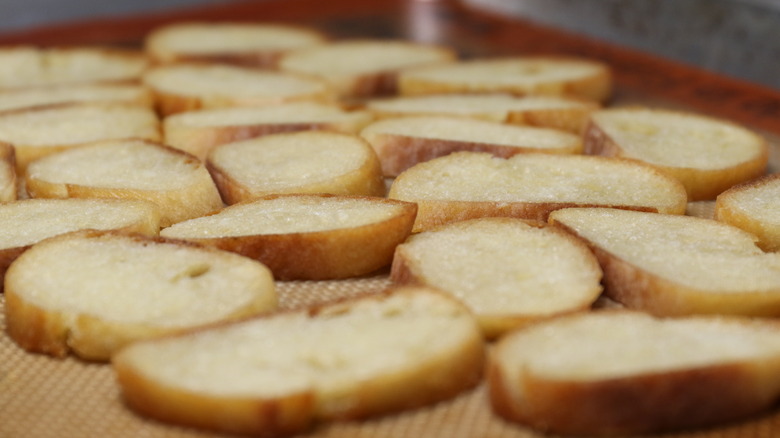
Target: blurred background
x,y
739,38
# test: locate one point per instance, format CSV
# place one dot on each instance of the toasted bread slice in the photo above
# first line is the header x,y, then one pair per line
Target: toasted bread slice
x,y
90,292
197,132
245,44
59,94
29,66
42,131
175,181
26,222
522,76
403,142
349,360
298,162
673,265
754,206
707,155
620,373
9,183
509,272
187,87
553,112
311,237
361,68
467,185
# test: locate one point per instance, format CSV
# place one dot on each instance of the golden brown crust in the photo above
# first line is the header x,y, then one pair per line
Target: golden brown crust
x,y
645,403
700,184
331,254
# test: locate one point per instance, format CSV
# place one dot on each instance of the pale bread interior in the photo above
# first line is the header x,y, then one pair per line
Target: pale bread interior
x,y
622,344
288,113
472,130
499,104
501,266
28,221
291,352
78,123
277,162
760,201
181,285
284,215
677,139
696,252
120,164
27,97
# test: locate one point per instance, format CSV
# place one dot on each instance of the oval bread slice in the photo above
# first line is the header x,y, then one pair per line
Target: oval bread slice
x,y
187,87
175,181
521,75
29,66
197,132
509,272
467,185
620,373
754,206
40,131
707,155
277,375
245,44
60,94
92,292
298,162
403,142
311,237
554,112
672,265
359,68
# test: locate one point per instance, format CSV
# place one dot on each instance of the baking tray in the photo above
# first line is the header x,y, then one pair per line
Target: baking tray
x,y
45,397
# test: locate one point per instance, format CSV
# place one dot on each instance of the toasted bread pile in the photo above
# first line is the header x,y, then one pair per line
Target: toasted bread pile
x,y
536,237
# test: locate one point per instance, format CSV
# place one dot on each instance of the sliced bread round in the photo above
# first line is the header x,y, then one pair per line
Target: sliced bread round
x,y
360,68
175,181
90,292
520,75
467,185
707,155
754,206
197,132
278,375
9,182
89,92
509,272
307,236
620,373
298,162
672,265
186,87
246,44
403,142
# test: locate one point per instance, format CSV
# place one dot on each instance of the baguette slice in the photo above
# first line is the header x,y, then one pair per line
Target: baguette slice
x,y
361,68
244,44
29,66
26,222
197,132
707,155
90,293
621,373
9,183
554,112
521,76
280,374
298,162
313,237
467,185
41,131
187,87
403,142
509,272
175,181
673,265
60,94
754,206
